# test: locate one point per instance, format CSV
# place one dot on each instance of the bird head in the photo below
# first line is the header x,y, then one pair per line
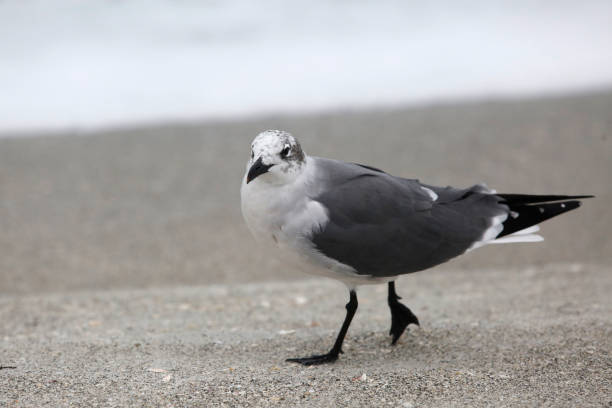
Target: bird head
x,y
277,156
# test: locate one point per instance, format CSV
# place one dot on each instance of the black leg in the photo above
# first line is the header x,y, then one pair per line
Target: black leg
x,y
351,308
401,316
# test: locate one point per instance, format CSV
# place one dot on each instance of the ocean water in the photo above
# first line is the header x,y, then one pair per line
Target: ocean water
x,y
98,63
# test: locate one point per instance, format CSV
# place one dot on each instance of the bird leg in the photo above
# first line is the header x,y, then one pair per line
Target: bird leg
x,y
351,308
401,316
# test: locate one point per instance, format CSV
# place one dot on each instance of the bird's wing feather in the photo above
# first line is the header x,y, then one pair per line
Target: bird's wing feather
x,y
383,225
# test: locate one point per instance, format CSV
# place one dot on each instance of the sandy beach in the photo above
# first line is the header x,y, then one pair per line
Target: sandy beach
x,y
128,278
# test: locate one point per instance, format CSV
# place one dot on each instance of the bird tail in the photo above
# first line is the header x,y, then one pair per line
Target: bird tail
x,y
529,210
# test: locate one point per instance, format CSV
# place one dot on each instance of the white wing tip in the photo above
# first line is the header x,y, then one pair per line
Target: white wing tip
x,y
517,238
524,235
528,230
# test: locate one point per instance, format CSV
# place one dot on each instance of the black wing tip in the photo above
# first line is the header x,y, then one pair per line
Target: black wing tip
x,y
518,199
569,205
535,213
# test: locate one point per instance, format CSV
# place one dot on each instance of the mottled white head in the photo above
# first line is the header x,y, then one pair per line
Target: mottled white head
x,y
276,158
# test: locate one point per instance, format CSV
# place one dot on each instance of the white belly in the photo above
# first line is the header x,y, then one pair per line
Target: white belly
x,y
283,221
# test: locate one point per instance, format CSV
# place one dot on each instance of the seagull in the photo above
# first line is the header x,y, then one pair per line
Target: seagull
x,y
360,225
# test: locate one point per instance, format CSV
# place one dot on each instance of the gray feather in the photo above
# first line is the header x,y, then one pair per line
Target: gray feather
x,y
383,225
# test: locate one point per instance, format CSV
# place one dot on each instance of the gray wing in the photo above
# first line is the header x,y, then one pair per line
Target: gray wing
x,y
383,225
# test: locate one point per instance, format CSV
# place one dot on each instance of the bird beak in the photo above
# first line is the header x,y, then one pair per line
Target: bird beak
x,y
257,169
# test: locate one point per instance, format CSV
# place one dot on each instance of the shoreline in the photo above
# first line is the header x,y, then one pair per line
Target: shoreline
x,y
135,126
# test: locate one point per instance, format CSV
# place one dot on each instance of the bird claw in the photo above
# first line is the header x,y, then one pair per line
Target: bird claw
x,y
401,317
315,360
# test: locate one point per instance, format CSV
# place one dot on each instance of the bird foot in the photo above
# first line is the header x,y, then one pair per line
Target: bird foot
x,y
401,317
315,360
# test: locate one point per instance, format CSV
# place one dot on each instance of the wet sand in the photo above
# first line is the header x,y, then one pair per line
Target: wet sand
x,y
124,251
533,336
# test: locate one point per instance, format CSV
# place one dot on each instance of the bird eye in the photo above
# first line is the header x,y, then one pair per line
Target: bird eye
x,y
252,154
285,151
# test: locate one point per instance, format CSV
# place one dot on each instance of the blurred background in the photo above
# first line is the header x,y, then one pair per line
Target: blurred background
x,y
125,125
